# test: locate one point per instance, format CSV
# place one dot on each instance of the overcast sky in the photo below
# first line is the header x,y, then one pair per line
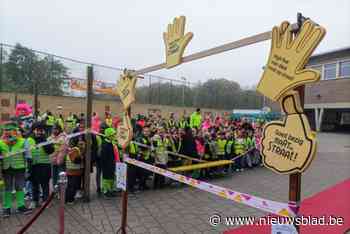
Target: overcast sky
x,y
129,33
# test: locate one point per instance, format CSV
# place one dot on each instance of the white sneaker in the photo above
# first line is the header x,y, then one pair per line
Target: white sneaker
x,y
78,195
33,205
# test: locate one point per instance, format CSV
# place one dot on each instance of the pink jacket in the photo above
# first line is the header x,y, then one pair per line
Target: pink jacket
x,y
206,124
199,147
95,123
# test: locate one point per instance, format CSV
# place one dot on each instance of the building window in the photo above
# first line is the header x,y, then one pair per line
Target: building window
x,y
344,69
330,71
318,68
5,116
5,102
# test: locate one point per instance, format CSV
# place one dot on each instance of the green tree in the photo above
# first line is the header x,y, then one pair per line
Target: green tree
x,y
26,72
214,93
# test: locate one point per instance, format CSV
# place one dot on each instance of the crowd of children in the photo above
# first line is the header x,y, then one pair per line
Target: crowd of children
x,y
156,140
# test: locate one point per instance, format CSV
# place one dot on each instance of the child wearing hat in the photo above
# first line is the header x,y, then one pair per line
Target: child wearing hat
x,y
13,166
109,156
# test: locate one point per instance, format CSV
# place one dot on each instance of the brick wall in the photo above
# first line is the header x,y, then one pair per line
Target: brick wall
x,y
78,105
328,91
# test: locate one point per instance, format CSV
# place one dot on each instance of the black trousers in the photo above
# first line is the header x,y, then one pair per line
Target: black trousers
x,y
41,174
98,176
143,174
74,184
131,175
159,180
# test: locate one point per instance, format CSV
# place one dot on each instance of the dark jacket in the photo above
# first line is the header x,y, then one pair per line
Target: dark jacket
x,y
188,145
107,160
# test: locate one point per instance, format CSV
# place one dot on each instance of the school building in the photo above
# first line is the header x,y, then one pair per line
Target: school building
x,y
327,102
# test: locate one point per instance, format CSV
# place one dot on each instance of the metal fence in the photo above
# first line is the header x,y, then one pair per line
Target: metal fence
x,y
28,74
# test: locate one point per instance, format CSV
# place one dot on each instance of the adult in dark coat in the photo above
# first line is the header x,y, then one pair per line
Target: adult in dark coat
x,y
188,144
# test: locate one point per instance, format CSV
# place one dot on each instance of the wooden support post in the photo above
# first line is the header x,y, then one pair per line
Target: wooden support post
x,y
90,79
295,178
123,226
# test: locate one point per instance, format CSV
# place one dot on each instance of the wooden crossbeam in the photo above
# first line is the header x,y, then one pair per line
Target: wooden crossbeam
x,y
215,50
201,165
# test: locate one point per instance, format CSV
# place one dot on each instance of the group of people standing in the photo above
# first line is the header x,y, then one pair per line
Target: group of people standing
x,y
28,170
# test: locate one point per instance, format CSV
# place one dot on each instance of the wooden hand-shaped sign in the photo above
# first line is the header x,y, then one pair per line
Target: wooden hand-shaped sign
x,y
289,146
176,41
288,56
124,131
126,88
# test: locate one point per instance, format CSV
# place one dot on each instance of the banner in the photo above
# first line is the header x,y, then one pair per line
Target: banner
x,y
77,87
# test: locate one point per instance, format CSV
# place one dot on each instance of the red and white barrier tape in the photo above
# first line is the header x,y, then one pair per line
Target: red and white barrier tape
x,y
67,137
282,209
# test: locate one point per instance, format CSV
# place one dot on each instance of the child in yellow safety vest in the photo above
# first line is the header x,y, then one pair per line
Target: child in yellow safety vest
x,y
229,149
161,142
240,149
132,171
220,150
72,156
144,155
109,157
13,167
41,163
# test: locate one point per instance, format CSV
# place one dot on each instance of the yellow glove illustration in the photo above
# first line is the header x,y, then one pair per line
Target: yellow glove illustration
x,y
176,41
126,88
288,56
289,146
124,131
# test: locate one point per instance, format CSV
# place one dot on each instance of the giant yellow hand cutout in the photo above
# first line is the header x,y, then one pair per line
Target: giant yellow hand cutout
x,y
124,131
176,41
126,88
289,146
288,56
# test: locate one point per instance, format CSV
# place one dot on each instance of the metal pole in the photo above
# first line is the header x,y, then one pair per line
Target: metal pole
x,y
90,79
35,67
183,91
36,100
150,90
1,55
158,91
295,178
63,184
171,94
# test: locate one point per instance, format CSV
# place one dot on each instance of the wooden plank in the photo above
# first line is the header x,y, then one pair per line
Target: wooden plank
x,y
90,79
216,50
209,52
201,165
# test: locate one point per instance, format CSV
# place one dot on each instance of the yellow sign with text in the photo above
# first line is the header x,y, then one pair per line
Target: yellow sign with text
x,y
176,41
124,131
288,57
289,146
126,88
